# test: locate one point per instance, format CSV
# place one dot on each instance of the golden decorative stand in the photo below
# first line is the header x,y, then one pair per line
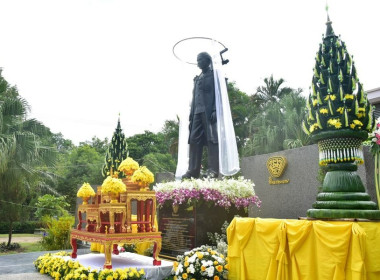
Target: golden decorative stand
x,y
110,242
110,223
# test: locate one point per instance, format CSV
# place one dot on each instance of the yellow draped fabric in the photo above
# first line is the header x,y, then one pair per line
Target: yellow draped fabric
x,y
141,247
273,249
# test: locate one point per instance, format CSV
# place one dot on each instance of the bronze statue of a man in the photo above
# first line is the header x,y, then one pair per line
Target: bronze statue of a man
x,y
203,126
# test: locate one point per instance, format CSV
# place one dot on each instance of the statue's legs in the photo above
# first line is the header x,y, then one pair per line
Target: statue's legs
x,y
195,161
213,159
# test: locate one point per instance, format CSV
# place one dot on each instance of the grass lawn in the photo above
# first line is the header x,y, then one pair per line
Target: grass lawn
x,y
26,247
5,235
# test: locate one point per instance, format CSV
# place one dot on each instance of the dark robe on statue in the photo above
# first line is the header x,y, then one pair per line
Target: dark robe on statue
x,y
203,126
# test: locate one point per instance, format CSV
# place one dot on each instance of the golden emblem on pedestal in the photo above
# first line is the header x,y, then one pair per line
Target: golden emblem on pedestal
x,y
276,167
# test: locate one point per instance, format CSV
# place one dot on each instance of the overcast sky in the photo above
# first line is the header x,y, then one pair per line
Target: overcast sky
x,y
79,63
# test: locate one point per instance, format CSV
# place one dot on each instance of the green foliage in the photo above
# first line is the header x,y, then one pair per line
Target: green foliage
x,y
81,164
57,233
157,162
219,240
24,159
12,247
242,112
140,145
278,125
49,205
21,227
272,92
170,132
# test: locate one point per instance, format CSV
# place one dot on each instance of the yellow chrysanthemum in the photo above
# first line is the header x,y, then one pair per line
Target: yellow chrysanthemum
x,y
219,268
358,123
323,111
85,191
216,277
199,255
340,110
335,123
186,264
349,96
128,166
143,176
332,97
113,185
184,275
313,127
203,268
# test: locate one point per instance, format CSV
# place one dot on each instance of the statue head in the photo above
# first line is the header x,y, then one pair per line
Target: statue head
x,y
203,60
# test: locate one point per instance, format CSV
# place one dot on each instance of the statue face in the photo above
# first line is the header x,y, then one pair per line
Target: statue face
x,y
203,61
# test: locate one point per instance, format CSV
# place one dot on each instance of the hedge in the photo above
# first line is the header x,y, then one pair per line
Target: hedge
x,y
21,227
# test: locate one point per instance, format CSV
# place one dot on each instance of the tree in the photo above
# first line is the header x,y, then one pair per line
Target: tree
x,y
101,146
140,145
49,205
242,112
278,126
157,162
272,92
82,164
170,132
23,158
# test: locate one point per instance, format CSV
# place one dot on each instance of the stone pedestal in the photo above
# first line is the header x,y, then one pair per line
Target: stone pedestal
x,y
185,227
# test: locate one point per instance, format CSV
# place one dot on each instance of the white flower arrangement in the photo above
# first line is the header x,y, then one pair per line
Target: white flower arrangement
x,y
239,192
200,263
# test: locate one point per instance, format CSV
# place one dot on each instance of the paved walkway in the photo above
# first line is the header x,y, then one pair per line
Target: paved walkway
x,y
20,266
22,239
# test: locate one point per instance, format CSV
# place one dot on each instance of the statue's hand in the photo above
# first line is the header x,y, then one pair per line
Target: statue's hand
x,y
213,117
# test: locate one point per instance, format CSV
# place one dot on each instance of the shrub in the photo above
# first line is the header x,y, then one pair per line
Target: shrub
x,y
58,232
12,247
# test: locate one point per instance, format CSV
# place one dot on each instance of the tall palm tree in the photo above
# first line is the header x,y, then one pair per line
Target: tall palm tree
x,y
278,125
271,92
23,158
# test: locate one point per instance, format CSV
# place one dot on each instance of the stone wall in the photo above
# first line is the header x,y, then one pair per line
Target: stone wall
x,y
293,199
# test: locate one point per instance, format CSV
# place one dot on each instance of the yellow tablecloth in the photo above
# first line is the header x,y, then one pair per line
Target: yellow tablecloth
x,y
141,247
274,249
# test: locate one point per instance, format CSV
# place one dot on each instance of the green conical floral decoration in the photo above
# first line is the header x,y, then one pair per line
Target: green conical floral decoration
x,y
339,119
116,153
337,99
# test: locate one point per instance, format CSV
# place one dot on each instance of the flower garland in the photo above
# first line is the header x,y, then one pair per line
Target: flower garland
x,y
59,268
375,150
85,191
113,185
201,263
224,193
